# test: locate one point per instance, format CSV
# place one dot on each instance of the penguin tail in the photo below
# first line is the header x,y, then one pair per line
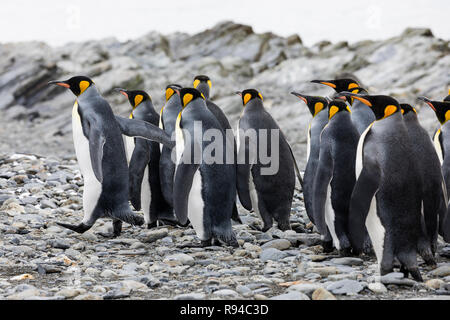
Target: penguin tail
x,y
80,228
126,215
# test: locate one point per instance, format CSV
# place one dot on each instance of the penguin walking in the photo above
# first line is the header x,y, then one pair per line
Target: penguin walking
x,y
145,187
167,119
335,175
434,196
268,193
203,84
362,117
441,141
387,196
100,151
204,190
318,108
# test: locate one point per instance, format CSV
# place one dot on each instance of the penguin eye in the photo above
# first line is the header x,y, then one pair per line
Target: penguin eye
x,y
84,85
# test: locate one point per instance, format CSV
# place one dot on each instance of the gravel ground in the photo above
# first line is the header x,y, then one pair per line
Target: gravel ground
x,y
40,260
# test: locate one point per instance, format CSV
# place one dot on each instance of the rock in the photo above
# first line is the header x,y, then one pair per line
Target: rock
x,y
226,293
441,271
322,294
179,259
306,288
377,287
347,261
272,254
434,283
153,235
291,295
70,293
48,204
345,287
323,271
25,276
88,296
397,278
280,244
190,296
243,289
25,294
108,274
60,244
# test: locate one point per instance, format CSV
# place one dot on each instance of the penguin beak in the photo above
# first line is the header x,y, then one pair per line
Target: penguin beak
x,y
327,83
177,91
427,101
238,92
299,95
361,98
60,83
122,91
338,96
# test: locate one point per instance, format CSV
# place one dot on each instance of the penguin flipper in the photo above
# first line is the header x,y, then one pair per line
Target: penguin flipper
x,y
80,228
446,227
324,173
96,144
243,188
184,176
297,171
138,162
145,130
365,189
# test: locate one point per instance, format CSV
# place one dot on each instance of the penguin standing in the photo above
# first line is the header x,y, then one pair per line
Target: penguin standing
x,y
335,174
318,108
434,189
145,187
203,84
387,196
362,117
204,190
100,151
167,119
441,141
269,194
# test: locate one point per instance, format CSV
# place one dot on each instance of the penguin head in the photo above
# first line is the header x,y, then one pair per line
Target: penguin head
x,y
77,84
315,103
248,95
340,85
187,95
382,106
135,97
407,108
335,106
171,90
203,84
441,108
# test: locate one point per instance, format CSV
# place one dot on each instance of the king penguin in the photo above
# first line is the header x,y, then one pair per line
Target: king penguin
x,y
203,84
434,199
268,193
205,183
335,175
387,196
145,187
167,119
362,117
318,108
441,141
100,151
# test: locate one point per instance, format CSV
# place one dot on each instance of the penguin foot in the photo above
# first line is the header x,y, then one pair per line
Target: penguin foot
x,y
255,227
345,252
108,235
167,222
415,273
117,228
298,228
327,246
80,228
152,225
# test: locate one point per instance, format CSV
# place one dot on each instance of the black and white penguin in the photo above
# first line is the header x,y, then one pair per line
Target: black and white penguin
x,y
441,141
318,108
362,117
387,197
434,196
145,187
167,119
268,193
335,175
97,136
204,187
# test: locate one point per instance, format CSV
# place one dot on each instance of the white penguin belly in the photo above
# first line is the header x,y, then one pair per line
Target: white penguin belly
x,y
179,142
376,230
146,196
196,206
92,187
330,217
253,194
129,147
308,142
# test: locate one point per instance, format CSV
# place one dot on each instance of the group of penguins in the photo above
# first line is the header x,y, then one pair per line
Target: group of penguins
x,y
374,180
